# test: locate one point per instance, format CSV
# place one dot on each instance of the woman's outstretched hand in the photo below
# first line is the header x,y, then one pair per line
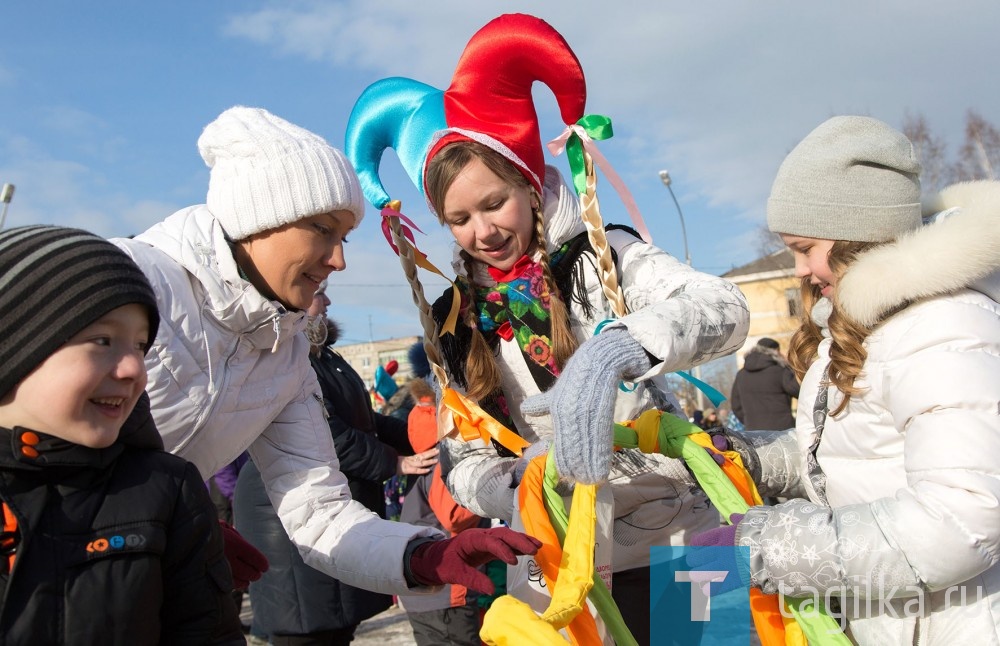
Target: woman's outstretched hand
x,y
582,403
454,560
418,464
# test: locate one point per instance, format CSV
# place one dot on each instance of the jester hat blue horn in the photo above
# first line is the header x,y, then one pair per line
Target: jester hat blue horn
x,y
397,113
489,101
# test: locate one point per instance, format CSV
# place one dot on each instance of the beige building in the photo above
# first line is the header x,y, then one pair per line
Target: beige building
x,y
772,293
366,357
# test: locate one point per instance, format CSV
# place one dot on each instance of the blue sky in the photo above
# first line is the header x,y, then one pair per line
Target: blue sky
x,y
102,102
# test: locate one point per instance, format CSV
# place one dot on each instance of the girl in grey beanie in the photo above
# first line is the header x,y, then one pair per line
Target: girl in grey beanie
x,y
897,429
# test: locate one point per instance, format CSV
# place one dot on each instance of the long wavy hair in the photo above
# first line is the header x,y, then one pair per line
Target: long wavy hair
x,y
847,350
481,372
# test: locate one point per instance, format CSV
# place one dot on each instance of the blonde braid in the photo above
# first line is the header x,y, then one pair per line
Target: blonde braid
x,y
482,375
406,259
599,242
564,344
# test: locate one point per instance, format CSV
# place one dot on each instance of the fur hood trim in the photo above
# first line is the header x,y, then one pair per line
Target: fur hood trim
x,y
954,251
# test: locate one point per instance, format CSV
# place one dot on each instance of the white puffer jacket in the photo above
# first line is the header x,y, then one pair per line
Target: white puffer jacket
x,y
230,371
913,463
680,316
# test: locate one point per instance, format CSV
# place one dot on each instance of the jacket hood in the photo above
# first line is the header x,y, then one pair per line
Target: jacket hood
x,y
196,241
957,249
760,358
561,215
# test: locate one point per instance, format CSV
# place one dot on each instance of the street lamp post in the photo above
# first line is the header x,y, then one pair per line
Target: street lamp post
x,y
665,178
6,195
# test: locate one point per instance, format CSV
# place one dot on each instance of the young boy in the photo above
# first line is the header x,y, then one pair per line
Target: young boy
x,y
106,539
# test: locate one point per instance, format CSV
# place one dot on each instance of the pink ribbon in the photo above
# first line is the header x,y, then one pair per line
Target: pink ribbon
x,y
558,145
389,212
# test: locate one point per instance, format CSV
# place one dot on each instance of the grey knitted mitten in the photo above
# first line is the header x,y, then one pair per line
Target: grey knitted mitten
x,y
582,403
538,448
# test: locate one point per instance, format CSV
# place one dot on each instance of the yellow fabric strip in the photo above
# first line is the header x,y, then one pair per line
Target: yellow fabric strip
x,y
576,569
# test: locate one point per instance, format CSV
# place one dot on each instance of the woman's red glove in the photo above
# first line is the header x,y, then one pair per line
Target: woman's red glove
x,y
246,561
454,560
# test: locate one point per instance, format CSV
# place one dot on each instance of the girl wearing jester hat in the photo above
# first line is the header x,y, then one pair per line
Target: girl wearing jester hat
x,y
538,344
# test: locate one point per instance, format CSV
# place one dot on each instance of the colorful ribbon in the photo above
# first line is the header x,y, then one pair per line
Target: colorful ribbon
x,y
392,210
580,137
713,395
511,621
474,423
732,491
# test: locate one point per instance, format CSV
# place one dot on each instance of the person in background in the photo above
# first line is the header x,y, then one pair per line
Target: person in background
x,y
764,387
897,431
294,604
450,617
385,384
222,485
399,406
230,371
710,419
106,539
402,401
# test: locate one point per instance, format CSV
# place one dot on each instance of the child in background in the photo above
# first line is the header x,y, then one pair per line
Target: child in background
x,y
107,539
452,615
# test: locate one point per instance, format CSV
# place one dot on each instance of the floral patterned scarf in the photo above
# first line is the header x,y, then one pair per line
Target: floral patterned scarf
x,y
518,307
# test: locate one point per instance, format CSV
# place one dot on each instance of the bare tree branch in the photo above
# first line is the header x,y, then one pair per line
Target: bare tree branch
x,y
979,157
937,171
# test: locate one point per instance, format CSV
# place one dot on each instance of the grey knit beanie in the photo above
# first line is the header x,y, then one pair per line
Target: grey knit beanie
x,y
267,172
852,178
54,282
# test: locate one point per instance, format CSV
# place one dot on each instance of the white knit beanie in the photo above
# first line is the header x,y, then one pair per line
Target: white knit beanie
x,y
267,172
852,178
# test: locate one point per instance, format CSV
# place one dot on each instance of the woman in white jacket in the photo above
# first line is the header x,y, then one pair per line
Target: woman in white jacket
x,y
898,430
230,371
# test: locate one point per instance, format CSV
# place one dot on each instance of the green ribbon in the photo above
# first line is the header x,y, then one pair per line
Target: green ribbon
x,y
598,128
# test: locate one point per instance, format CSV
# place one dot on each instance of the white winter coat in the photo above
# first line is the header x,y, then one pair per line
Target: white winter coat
x,y
913,463
230,371
682,317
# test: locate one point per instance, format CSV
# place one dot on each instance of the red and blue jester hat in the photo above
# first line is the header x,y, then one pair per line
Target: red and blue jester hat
x,y
489,101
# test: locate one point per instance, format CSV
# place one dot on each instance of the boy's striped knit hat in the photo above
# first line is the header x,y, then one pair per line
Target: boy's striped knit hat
x,y
54,282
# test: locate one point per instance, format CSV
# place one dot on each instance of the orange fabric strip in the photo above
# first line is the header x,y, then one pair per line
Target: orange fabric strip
x,y
474,423
767,618
9,527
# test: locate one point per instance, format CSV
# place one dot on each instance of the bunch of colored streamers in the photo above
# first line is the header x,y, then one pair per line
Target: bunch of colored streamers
x,y
732,491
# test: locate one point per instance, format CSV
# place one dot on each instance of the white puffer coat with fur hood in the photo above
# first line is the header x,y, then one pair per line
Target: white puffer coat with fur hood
x,y
913,463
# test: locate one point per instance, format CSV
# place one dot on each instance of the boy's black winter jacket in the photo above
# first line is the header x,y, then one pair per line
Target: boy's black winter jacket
x,y
113,546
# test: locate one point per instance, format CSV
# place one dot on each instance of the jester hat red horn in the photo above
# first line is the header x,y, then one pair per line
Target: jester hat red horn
x,y
489,99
